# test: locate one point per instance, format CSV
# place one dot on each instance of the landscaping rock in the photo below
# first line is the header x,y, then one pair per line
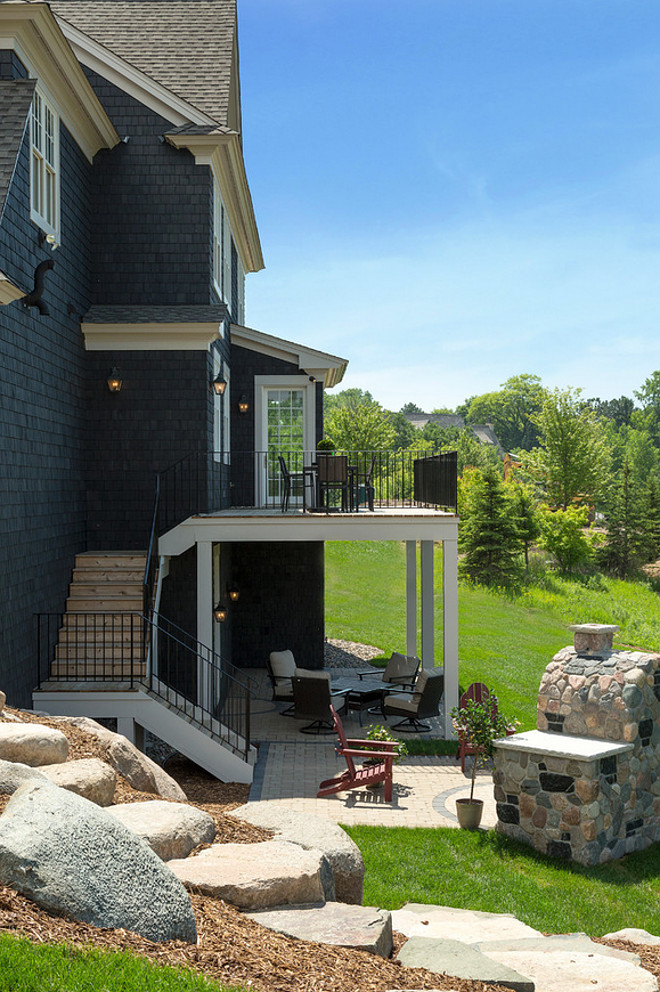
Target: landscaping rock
x,y
574,962
255,876
88,777
13,774
32,744
70,856
361,927
458,960
3,700
138,770
635,936
172,830
421,920
317,833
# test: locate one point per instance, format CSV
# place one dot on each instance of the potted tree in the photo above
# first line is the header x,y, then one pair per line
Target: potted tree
x,y
479,724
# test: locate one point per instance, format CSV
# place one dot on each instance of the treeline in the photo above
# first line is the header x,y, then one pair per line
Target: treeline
x,y
581,478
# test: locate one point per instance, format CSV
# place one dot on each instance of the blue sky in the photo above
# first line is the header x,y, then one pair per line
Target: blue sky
x,y
451,192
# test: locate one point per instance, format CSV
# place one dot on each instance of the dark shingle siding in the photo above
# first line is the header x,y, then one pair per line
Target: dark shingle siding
x,y
15,102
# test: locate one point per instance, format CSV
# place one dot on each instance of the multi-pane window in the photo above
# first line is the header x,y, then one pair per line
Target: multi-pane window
x,y
227,285
44,164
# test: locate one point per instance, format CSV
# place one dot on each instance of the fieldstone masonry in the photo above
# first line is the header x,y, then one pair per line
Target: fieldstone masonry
x,y
585,786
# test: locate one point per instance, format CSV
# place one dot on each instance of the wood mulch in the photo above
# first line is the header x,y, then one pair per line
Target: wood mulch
x,y
231,949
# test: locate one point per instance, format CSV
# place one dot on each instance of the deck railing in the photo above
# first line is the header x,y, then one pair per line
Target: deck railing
x,y
148,651
208,483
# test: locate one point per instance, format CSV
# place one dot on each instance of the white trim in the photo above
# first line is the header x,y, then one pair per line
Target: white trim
x,y
151,337
8,292
263,383
133,81
411,598
42,165
326,368
31,30
450,629
428,618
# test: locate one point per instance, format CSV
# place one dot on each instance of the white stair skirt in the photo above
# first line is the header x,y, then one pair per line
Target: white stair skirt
x,y
175,728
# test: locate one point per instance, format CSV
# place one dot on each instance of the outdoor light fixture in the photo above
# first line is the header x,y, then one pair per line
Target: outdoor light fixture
x,y
114,381
220,613
234,593
219,384
243,405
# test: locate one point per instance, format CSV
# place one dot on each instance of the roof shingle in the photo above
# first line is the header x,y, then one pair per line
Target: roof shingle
x,y
15,102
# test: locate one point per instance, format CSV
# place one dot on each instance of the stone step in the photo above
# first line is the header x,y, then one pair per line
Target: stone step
x,y
427,920
458,960
571,961
363,928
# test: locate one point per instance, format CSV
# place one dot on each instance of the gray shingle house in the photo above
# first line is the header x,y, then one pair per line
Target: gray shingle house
x,y
140,418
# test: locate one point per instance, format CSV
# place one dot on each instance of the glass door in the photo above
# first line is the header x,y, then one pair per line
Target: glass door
x,y
284,434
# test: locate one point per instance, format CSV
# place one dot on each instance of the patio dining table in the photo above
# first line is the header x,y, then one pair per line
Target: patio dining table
x,y
359,695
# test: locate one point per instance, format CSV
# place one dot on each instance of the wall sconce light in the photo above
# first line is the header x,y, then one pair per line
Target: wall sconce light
x,y
243,405
114,381
219,384
220,612
234,593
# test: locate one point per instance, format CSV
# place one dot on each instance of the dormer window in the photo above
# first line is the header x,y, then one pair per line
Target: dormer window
x,y
44,165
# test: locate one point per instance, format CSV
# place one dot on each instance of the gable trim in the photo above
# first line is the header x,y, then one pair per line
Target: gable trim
x,y
326,368
133,81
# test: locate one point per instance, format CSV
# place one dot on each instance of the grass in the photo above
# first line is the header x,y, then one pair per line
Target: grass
x,y
505,640
61,968
484,871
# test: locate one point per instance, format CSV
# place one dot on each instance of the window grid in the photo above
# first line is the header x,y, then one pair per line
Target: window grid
x,y
44,164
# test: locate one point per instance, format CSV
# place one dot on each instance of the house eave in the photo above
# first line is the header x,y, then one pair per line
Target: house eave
x,y
151,336
32,31
223,153
328,369
8,292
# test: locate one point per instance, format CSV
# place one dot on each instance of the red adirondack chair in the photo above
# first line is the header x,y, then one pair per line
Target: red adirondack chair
x,y
480,693
359,778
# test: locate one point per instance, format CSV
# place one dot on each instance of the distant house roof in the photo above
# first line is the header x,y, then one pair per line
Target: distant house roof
x,y
15,102
484,433
185,45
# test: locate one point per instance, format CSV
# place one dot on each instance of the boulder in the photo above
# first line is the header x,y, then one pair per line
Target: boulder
x,y
88,777
363,928
416,919
634,935
313,832
32,744
71,857
255,876
13,774
172,830
138,770
3,700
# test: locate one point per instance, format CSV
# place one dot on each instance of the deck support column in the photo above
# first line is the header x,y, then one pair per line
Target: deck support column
x,y
450,629
204,615
428,620
411,598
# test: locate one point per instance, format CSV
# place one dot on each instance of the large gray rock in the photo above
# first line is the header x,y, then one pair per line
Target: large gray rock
x,y
13,774
255,876
88,777
317,833
70,856
32,744
363,928
458,960
172,830
138,770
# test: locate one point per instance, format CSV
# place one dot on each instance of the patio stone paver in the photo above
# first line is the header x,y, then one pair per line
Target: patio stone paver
x,y
291,766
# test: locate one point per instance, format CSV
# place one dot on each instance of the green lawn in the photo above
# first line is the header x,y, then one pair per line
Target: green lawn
x,y
483,871
504,641
60,968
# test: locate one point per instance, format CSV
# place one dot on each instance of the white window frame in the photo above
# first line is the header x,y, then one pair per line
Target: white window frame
x,y
222,240
45,164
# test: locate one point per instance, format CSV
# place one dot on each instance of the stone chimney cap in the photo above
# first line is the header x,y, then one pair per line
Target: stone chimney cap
x,y
593,638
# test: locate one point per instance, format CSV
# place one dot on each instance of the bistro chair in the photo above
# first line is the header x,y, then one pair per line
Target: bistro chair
x,y
332,477
288,479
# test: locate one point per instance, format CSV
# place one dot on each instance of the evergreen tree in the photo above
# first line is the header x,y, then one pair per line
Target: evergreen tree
x,y
526,516
652,517
489,537
627,544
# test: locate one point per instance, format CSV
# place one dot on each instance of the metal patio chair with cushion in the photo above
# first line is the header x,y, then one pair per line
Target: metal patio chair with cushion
x,y
401,669
281,668
313,700
360,778
422,703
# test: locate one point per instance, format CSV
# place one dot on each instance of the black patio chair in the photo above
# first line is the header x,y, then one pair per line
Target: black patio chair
x,y
422,703
312,700
288,478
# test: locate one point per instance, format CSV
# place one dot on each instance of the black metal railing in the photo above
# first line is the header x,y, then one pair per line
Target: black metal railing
x,y
149,651
208,483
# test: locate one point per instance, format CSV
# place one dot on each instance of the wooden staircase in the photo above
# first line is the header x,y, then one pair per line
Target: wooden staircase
x,y
102,635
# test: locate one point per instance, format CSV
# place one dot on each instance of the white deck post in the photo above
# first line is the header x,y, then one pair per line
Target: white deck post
x,y
204,613
411,598
450,629
428,620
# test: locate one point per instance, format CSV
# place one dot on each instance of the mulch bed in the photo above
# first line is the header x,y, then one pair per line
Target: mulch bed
x,y
231,948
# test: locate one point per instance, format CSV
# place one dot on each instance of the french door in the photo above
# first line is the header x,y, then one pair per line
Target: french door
x,y
284,427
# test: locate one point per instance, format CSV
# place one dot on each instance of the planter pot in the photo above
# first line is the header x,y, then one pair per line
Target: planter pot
x,y
469,813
